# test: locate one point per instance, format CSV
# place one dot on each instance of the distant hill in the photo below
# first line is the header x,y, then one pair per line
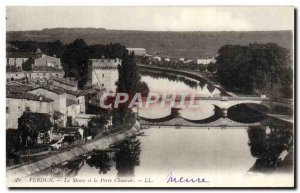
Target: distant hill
x,y
173,44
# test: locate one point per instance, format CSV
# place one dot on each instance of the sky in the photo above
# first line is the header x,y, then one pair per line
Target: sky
x,y
152,18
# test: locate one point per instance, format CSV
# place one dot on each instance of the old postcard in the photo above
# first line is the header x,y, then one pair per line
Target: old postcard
x,y
194,97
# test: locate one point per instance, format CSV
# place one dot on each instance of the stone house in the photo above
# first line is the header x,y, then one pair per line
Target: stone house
x,y
17,103
104,73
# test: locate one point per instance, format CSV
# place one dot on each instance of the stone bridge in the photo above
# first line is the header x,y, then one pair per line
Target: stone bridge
x,y
223,103
179,121
175,119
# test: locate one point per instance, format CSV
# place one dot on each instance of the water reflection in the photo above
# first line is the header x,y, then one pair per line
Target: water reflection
x,y
123,158
162,82
166,83
173,78
242,113
128,157
66,169
265,149
102,161
272,146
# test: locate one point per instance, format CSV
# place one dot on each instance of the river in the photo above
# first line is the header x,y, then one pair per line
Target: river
x,y
212,153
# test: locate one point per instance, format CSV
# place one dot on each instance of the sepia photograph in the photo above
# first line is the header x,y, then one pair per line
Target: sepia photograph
x,y
150,97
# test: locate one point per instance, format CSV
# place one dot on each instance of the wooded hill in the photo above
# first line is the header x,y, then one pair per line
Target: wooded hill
x,y
172,44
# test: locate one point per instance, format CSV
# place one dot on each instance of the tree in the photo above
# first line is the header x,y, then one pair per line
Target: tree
x,y
75,61
129,77
286,80
27,65
212,67
201,67
97,124
112,50
12,142
252,67
268,147
143,88
129,82
30,125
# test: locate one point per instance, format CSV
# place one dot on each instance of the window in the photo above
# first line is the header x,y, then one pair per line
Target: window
x,y
27,108
102,75
7,110
102,84
15,61
19,108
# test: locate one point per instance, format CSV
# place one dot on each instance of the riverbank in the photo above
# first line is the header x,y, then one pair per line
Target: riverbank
x,y
102,143
192,75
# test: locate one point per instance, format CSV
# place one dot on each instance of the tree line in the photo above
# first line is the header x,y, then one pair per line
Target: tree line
x,y
178,64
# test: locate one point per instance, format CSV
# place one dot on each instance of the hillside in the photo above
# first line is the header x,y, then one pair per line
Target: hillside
x,y
173,44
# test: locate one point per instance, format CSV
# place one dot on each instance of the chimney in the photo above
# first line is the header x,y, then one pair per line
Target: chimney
x,y
41,97
103,58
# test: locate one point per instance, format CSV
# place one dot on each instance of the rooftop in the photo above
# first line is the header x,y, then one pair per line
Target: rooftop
x,y
19,54
136,49
84,92
70,102
51,89
27,96
18,88
47,68
66,82
44,56
105,63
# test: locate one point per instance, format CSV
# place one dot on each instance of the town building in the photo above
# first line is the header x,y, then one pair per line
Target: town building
x,y
65,83
42,73
104,73
157,58
167,59
137,51
16,87
18,103
66,103
45,73
59,97
17,58
206,61
46,60
18,75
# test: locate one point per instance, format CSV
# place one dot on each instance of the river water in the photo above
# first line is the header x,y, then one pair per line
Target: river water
x,y
213,153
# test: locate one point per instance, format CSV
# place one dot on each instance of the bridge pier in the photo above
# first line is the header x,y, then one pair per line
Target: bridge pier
x,y
224,111
176,112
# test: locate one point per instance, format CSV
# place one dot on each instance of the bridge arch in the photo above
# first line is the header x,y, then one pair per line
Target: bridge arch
x,y
217,115
247,113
